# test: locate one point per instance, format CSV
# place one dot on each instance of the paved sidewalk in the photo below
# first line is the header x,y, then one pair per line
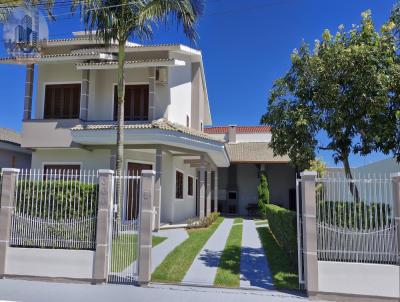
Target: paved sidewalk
x,y
254,268
34,291
204,267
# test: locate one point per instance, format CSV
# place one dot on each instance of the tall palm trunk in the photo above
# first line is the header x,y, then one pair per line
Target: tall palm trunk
x,y
121,121
349,176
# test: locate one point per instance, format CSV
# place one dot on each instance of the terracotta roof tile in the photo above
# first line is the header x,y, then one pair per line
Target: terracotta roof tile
x,y
253,153
239,129
10,136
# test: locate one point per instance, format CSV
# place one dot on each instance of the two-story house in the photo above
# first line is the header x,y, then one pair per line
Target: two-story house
x,y
73,124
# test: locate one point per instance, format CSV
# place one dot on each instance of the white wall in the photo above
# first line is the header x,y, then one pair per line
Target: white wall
x,y
253,137
50,263
359,279
181,94
89,160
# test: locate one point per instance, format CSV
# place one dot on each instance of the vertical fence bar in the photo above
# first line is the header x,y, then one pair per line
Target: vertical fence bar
x,y
7,196
396,210
309,205
103,225
146,226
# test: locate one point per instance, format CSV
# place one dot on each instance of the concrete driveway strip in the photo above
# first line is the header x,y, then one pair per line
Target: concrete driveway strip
x,y
204,267
254,269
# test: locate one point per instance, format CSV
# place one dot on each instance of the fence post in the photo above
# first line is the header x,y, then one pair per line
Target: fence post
x,y
146,225
309,230
105,199
8,187
396,203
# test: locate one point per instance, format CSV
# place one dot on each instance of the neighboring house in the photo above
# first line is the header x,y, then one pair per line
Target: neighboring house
x,y
382,167
73,125
250,155
11,153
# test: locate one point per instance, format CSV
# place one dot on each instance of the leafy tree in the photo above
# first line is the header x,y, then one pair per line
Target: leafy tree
x,y
263,193
346,88
119,20
318,165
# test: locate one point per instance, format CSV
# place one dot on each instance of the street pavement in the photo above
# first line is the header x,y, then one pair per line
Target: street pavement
x,y
35,291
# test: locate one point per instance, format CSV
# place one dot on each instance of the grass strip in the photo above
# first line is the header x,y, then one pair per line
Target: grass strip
x,y
124,250
260,222
283,270
228,272
238,220
178,262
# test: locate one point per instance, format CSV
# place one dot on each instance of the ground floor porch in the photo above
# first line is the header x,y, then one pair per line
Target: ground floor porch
x,y
183,186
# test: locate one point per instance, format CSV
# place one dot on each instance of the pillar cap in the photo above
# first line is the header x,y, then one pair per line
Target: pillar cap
x,y
308,174
105,171
395,175
3,170
148,173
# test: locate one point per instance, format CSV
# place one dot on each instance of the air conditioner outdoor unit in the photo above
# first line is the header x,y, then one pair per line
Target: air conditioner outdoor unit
x,y
162,76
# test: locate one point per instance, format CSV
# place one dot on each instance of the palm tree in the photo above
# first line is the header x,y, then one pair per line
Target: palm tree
x,y
115,21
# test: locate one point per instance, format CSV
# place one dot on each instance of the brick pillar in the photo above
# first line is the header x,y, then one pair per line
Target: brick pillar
x,y
106,194
216,190
157,188
146,225
29,75
208,205
84,103
309,231
396,203
8,187
202,188
152,92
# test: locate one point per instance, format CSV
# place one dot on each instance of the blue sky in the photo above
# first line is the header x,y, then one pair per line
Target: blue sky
x,y
246,45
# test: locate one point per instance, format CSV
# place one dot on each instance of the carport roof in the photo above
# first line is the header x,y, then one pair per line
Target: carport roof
x,y
257,152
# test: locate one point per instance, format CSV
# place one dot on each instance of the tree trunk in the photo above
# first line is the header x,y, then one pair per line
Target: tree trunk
x,y
120,128
349,176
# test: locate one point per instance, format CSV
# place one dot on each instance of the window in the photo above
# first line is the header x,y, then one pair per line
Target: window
x,y
190,186
232,195
62,101
201,126
136,105
187,121
179,185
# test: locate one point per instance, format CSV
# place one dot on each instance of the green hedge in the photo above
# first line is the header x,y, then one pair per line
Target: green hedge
x,y
38,198
282,224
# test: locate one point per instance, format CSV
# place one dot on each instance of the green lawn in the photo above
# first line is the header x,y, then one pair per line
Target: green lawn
x,y
283,270
228,273
124,250
238,220
177,263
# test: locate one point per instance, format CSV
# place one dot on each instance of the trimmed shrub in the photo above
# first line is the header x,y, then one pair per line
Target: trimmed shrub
x,y
263,194
282,223
59,200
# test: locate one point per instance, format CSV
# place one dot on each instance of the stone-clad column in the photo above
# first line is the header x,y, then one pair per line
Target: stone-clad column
x,y
7,196
309,231
202,189
158,188
208,205
396,202
84,107
146,225
103,225
152,92
216,190
29,77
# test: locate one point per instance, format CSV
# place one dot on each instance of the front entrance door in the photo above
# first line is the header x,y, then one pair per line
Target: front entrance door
x,y
132,190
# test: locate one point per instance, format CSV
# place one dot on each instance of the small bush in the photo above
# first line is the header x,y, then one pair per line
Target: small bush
x,y
263,195
282,224
204,222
